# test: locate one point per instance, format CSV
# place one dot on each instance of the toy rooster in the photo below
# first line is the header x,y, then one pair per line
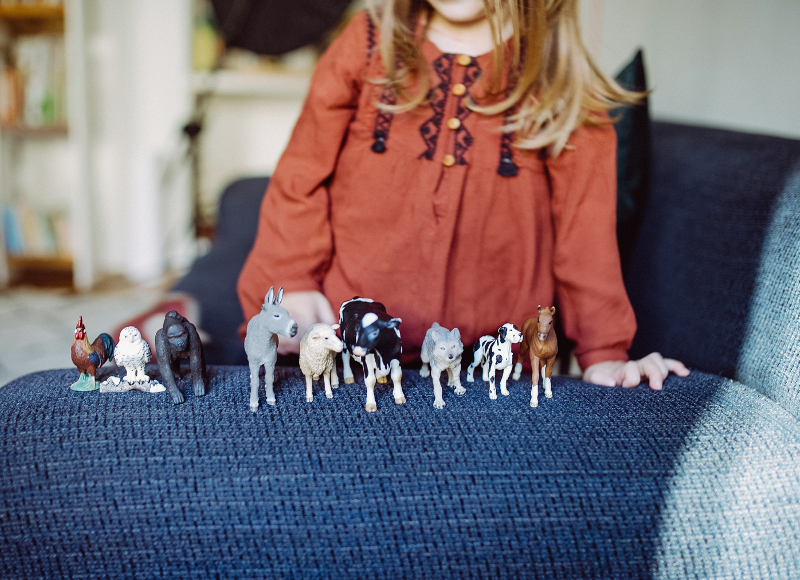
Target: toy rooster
x,y
89,357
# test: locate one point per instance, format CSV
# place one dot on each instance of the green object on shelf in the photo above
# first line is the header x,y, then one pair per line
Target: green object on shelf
x,y
48,108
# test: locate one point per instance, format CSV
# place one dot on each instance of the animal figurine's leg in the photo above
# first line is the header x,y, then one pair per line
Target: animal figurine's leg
x,y
523,350
254,367
140,376
198,365
471,371
454,380
535,366
488,368
491,378
334,378
504,379
397,375
381,371
166,366
369,380
310,388
548,392
269,383
329,377
130,375
346,370
438,400
425,371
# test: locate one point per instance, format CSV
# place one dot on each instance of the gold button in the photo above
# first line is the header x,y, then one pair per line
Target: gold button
x,y
459,89
463,59
454,123
448,160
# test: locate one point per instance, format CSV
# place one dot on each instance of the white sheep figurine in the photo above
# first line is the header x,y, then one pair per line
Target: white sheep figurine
x,y
318,350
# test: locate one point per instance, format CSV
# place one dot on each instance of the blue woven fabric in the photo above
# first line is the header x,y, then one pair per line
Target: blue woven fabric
x,y
596,482
770,359
693,273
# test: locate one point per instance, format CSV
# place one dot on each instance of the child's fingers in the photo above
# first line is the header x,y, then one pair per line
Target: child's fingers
x,y
655,359
655,371
600,375
676,367
631,375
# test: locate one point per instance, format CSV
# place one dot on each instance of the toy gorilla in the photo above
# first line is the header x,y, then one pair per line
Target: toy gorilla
x,y
176,341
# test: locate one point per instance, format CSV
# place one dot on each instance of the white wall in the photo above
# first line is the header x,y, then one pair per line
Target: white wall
x,y
140,97
727,63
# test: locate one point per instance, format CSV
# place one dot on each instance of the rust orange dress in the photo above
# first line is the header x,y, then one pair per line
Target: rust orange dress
x,y
435,214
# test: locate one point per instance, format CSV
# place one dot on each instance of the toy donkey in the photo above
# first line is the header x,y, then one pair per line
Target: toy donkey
x,y
540,339
261,344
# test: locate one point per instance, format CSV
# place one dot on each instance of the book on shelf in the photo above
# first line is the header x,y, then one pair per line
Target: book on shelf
x,y
30,232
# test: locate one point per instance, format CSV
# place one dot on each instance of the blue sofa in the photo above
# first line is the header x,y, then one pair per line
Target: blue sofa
x,y
700,480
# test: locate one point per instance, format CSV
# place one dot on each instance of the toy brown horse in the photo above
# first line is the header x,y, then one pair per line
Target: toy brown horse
x,y
540,339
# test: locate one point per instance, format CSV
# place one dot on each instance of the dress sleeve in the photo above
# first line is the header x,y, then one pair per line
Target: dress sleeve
x,y
595,310
293,246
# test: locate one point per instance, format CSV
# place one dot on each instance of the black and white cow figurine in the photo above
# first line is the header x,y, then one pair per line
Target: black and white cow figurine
x,y
372,338
495,355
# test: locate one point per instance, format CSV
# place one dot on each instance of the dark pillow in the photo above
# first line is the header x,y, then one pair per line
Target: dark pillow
x,y
633,158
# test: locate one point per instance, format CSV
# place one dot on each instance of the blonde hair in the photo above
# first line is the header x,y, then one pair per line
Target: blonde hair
x,y
554,86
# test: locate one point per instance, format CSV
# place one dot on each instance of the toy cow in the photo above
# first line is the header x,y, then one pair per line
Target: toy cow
x,y
540,340
495,355
372,338
442,350
261,344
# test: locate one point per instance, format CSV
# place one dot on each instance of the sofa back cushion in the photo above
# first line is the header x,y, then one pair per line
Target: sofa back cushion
x,y
713,278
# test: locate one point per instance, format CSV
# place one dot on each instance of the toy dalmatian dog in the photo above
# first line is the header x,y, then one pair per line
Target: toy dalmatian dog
x,y
495,355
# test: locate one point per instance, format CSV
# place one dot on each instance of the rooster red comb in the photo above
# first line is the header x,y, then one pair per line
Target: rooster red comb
x,y
80,325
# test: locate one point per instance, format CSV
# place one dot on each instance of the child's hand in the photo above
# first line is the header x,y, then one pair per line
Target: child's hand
x,y
305,308
629,374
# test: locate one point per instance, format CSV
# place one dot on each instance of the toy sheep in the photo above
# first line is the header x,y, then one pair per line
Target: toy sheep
x,y
442,350
318,350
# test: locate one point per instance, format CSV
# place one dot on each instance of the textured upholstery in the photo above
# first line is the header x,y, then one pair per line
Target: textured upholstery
x,y
770,359
699,480
714,196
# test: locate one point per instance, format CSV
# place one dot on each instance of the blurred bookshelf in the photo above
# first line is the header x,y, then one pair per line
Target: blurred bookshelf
x,y
39,41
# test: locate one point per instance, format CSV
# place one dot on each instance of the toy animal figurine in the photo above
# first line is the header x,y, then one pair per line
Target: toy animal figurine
x,y
441,350
178,340
318,350
539,339
261,344
133,353
495,355
89,357
372,338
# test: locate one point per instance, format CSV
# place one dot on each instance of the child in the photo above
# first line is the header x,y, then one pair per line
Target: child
x,y
454,160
